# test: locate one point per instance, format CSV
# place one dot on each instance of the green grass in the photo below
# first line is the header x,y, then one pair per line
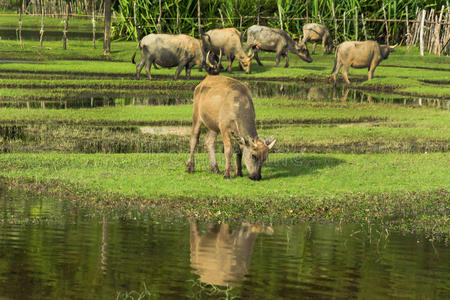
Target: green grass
x,y
401,73
379,187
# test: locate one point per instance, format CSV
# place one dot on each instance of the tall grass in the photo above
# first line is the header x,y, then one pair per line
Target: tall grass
x,y
148,12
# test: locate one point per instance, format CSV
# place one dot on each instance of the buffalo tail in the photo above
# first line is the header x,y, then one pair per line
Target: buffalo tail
x,y
134,54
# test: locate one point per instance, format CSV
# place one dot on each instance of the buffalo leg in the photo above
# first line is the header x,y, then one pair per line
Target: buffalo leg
x,y
287,60
230,62
188,71
345,74
313,48
255,51
139,67
324,44
210,140
228,153
337,68
196,124
372,67
277,59
148,69
239,162
178,71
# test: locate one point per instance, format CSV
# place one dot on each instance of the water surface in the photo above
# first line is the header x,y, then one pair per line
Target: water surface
x,y
50,249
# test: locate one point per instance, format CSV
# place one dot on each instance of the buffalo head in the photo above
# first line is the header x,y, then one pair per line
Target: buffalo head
x,y
211,66
302,51
255,152
244,61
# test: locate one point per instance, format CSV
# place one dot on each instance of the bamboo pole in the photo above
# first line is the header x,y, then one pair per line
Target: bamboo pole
x,y
386,24
422,20
66,26
335,23
356,23
408,34
41,32
437,31
364,26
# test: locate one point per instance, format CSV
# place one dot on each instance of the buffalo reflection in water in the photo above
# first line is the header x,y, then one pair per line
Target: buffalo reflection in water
x,y
221,256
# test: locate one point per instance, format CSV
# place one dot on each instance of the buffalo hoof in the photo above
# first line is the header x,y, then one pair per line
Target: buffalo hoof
x,y
215,170
239,173
190,168
227,174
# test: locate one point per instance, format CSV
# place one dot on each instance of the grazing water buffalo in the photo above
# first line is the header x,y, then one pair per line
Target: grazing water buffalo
x,y
318,33
274,40
229,41
224,105
367,54
167,50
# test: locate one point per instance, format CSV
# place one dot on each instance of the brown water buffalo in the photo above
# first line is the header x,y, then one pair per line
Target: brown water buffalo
x,y
274,40
221,256
367,54
317,33
229,41
224,105
167,50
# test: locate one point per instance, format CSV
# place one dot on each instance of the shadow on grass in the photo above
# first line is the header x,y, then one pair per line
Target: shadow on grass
x,y
299,165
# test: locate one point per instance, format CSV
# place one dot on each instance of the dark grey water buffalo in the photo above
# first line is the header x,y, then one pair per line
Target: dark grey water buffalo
x,y
224,105
367,54
274,40
167,50
317,33
229,41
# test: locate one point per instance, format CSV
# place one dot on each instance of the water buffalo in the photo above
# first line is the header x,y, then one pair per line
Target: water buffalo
x,y
274,40
367,54
167,50
229,41
222,256
224,105
318,33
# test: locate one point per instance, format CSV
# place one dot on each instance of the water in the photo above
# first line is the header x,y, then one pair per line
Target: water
x,y
50,249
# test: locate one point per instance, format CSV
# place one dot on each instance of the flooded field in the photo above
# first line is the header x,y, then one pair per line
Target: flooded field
x,y
52,249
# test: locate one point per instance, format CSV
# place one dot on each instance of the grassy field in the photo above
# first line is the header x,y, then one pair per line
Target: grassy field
x,y
402,73
72,122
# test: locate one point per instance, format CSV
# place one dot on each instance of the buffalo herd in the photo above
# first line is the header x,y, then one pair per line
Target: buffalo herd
x,y
223,104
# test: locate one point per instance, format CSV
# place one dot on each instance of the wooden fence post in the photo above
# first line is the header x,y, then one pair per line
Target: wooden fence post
x,y
258,12
364,26
408,34
356,23
335,23
198,19
344,28
422,20
66,26
107,34
158,27
386,24
20,28
93,23
136,25
279,15
41,32
178,17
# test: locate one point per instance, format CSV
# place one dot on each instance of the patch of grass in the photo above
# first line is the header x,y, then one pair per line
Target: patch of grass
x,y
390,188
